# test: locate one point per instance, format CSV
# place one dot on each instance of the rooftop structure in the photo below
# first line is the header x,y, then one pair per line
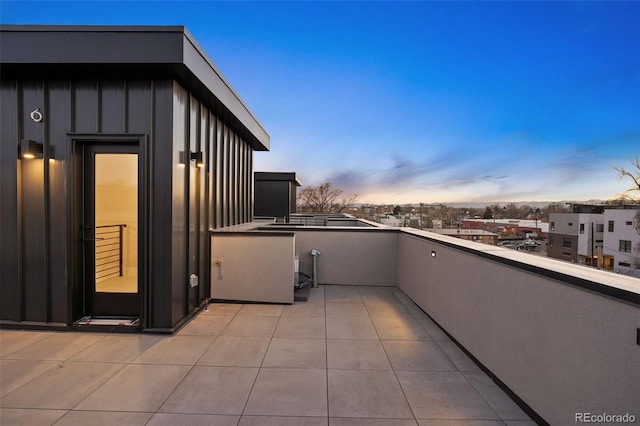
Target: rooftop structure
x,y
121,148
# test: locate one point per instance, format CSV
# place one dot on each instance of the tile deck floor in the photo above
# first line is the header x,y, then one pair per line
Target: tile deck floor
x,y
349,356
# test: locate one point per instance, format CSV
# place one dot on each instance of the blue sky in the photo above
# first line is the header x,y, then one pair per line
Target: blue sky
x,y
406,102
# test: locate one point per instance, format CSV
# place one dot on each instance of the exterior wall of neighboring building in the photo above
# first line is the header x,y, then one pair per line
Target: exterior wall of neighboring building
x,y
509,227
470,235
563,236
390,220
622,240
590,238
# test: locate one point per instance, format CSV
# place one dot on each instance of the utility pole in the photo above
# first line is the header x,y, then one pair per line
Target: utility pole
x,y
592,243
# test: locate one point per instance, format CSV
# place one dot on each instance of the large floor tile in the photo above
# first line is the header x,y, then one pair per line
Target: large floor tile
x,y
141,388
289,392
458,357
349,354
366,393
497,399
178,350
57,346
431,422
400,329
30,417
403,298
443,395
417,313
261,310
351,328
373,295
304,310
120,348
346,310
232,351
61,387
222,309
308,327
206,325
344,421
251,326
296,353
417,355
13,341
212,390
316,295
389,311
342,294
168,419
103,418
433,330
282,421
16,372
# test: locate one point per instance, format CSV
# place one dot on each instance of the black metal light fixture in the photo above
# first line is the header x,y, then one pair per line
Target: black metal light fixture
x,y
31,149
197,157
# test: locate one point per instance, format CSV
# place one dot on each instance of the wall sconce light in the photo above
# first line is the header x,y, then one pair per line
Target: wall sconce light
x,y
31,149
197,156
433,253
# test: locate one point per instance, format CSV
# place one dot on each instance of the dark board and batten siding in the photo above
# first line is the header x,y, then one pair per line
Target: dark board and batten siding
x,y
39,278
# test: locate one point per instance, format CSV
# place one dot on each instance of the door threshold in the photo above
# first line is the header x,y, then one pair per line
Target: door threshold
x,y
109,321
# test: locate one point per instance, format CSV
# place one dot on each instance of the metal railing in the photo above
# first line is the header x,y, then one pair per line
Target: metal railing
x,y
109,251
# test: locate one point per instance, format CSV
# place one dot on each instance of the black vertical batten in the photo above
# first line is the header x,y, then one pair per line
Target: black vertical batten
x,y
47,204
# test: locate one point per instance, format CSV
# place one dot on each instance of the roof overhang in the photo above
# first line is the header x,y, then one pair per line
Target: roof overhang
x,y
278,176
127,51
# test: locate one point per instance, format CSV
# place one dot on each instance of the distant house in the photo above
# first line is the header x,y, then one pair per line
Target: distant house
x,y
622,241
121,148
601,236
517,228
478,235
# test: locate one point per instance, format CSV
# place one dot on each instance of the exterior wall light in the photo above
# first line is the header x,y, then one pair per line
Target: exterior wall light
x,y
31,149
197,156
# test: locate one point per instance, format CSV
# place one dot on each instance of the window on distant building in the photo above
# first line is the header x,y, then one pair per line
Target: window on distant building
x,y
627,264
582,228
553,226
570,223
629,222
566,242
625,246
599,227
610,226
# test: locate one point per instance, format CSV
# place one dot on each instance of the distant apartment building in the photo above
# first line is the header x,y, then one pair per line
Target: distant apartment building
x,y
411,220
563,236
622,240
478,235
509,227
596,235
